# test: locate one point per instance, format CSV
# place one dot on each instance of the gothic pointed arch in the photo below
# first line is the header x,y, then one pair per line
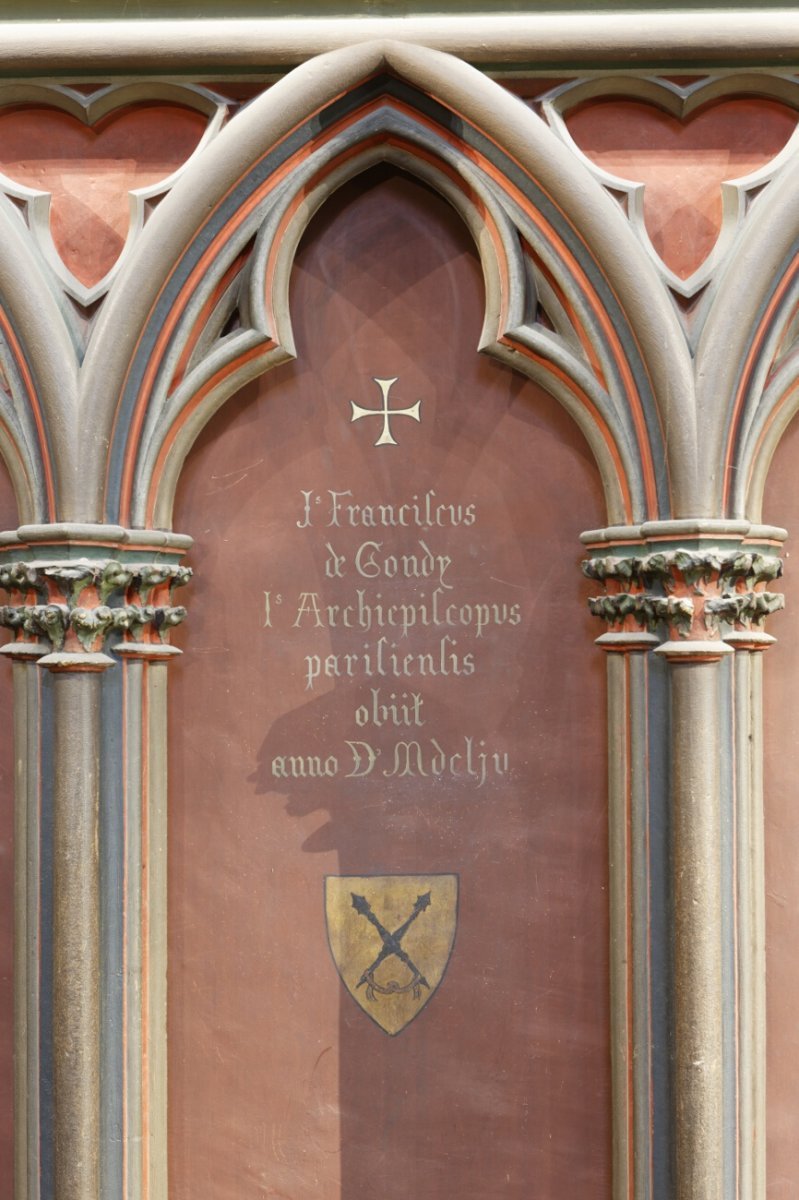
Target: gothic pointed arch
x,y
570,298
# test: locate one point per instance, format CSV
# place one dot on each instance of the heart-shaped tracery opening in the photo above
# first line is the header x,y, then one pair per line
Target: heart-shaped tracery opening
x,y
90,170
682,163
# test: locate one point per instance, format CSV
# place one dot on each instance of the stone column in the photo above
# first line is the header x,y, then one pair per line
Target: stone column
x,y
84,603
749,645
76,934
704,584
630,981
698,997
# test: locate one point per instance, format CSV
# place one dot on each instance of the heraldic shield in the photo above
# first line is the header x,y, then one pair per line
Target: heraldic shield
x,y
391,937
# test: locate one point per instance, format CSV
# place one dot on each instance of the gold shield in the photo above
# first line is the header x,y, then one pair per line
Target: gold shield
x,y
391,937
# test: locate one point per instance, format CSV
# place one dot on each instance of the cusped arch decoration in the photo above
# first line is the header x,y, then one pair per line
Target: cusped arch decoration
x,y
747,366
203,307
39,431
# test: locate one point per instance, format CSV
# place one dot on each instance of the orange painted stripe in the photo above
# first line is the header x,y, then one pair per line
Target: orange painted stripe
x,y
22,365
786,396
748,369
257,197
202,317
70,542
584,340
193,404
13,444
599,421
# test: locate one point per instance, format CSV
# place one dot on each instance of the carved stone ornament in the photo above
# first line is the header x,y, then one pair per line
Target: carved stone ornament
x,y
68,604
708,598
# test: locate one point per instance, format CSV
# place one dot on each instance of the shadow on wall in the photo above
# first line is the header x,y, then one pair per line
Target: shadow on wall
x,y
397,710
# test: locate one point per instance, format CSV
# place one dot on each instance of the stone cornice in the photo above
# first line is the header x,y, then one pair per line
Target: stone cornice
x,y
568,39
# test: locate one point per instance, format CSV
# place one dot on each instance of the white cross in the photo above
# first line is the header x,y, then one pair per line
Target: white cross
x,y
385,412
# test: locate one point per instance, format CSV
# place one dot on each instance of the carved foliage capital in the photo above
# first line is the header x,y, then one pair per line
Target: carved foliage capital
x,y
700,595
71,604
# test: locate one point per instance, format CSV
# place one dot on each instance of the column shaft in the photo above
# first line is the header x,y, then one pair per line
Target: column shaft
x,y
622,1038
751,958
698,998
76,960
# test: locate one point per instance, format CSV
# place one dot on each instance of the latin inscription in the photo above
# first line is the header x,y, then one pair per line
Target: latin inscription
x,y
408,621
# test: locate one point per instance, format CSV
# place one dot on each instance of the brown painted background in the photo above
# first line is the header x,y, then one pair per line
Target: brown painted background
x,y
781,737
279,1085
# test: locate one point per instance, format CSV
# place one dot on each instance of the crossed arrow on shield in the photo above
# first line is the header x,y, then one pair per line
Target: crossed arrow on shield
x,y
391,947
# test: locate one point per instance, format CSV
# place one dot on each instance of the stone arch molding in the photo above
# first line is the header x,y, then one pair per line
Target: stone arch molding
x,y
202,306
747,364
572,299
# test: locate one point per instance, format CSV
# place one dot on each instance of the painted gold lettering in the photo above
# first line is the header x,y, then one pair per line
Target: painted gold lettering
x,y
364,758
309,604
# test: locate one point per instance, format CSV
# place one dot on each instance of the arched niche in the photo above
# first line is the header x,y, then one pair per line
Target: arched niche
x,y
608,342
278,1078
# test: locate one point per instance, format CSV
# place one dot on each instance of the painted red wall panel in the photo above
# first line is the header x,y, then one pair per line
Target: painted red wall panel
x,y
279,1082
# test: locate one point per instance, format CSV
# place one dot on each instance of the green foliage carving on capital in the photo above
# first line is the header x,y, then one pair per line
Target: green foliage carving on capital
x,y
694,566
84,606
648,612
697,593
